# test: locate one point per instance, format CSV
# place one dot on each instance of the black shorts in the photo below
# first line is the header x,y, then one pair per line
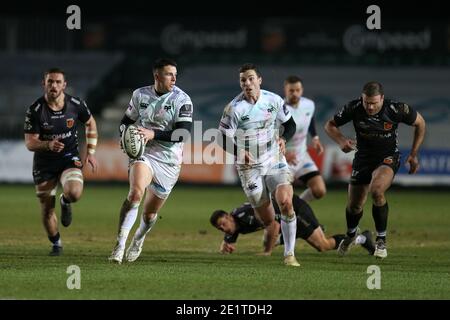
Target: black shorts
x,y
306,220
305,178
363,167
51,169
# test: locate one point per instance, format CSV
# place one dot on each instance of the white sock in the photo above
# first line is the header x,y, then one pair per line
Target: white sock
x,y
381,234
289,230
144,227
360,239
127,224
307,195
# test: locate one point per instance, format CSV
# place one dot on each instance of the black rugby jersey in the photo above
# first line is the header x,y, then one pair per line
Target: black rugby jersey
x,y
61,124
376,135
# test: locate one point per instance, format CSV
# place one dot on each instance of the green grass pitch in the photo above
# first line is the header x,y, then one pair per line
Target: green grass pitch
x,y
180,260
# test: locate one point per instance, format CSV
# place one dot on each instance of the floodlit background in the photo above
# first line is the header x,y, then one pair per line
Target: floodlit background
x,y
112,54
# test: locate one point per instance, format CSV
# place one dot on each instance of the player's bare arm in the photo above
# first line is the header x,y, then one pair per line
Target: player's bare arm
x,y
317,145
33,143
226,247
419,134
334,133
91,143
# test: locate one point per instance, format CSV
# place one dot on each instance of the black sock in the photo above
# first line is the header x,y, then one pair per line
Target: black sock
x,y
352,221
338,238
380,216
54,239
64,200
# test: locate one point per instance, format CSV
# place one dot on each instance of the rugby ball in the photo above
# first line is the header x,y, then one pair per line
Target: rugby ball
x,y
132,142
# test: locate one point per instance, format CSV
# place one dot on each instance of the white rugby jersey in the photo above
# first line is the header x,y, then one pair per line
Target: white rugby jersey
x,y
253,126
161,112
302,115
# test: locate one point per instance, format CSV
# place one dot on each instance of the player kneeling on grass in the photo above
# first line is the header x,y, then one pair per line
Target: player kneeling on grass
x,y
243,220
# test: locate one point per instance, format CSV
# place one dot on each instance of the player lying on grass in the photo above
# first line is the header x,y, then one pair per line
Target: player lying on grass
x,y
243,220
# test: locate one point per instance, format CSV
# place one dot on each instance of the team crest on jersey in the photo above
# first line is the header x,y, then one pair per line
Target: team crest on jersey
x,y
70,122
387,126
388,160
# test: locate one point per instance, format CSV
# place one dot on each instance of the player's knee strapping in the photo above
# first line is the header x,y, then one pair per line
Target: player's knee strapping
x,y
75,175
46,193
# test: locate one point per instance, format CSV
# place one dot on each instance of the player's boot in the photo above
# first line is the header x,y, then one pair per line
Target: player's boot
x,y
135,249
380,249
369,244
66,212
117,254
346,244
290,260
56,251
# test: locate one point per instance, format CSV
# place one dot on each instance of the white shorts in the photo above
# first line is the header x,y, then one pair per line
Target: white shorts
x,y
165,176
259,182
304,166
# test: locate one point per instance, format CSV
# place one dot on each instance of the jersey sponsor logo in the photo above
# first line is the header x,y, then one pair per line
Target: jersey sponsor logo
x,y
143,105
47,126
70,122
167,107
363,125
245,118
57,136
388,126
388,160
272,109
185,111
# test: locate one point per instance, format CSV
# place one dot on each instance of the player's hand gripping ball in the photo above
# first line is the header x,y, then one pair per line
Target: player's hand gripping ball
x,y
132,142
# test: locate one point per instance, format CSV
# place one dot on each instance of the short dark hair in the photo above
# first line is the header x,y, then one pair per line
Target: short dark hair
x,y
372,89
216,215
162,62
293,79
249,66
55,70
